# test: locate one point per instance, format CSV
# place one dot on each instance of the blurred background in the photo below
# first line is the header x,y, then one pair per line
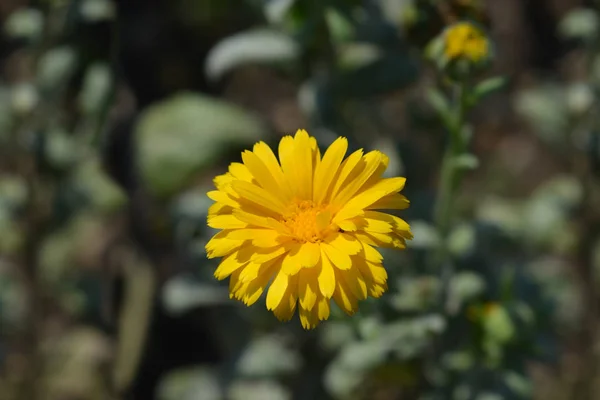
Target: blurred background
x,y
115,115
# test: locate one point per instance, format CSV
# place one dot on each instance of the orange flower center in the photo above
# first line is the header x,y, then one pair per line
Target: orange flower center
x,y
308,222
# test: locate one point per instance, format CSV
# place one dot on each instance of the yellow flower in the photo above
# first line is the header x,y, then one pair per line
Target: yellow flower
x,y
464,40
307,224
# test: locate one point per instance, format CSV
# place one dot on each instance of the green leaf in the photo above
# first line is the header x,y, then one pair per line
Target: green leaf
x,y
13,192
186,133
488,87
415,294
498,325
134,319
55,67
277,10
519,384
341,381
259,46
464,286
335,335
180,295
545,109
580,23
440,104
458,360
340,28
462,239
363,355
96,88
258,390
26,23
97,10
198,383
268,356
466,161
102,193
357,55
61,150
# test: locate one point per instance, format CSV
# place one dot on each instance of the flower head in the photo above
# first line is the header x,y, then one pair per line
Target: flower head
x,y
464,40
307,224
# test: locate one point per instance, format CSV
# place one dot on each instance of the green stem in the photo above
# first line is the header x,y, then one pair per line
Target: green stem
x,y
450,178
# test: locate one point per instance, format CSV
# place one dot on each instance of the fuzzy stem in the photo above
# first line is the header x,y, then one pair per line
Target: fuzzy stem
x,y
450,178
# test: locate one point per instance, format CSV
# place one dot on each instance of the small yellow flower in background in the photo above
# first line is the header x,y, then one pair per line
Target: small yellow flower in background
x,y
308,225
466,41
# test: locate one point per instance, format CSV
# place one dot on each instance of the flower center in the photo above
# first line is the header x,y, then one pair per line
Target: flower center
x,y
307,222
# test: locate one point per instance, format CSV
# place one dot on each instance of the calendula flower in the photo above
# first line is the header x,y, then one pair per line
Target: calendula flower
x,y
464,40
307,225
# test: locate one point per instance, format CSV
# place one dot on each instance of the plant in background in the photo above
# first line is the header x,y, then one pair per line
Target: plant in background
x,y
308,223
458,52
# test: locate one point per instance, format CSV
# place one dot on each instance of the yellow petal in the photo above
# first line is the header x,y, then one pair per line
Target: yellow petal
x,y
219,209
217,195
277,290
378,272
259,221
338,258
355,282
292,262
308,318
249,272
328,168
286,159
247,233
264,254
377,290
228,265
316,158
351,225
270,238
350,165
261,173
376,176
323,219
303,165
343,297
260,196
394,201
344,242
259,236
389,240
234,284
252,290
323,308
395,223
222,181
371,254
372,161
376,225
309,254
361,264
326,277
225,222
266,155
307,288
287,306
369,196
220,244
240,171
